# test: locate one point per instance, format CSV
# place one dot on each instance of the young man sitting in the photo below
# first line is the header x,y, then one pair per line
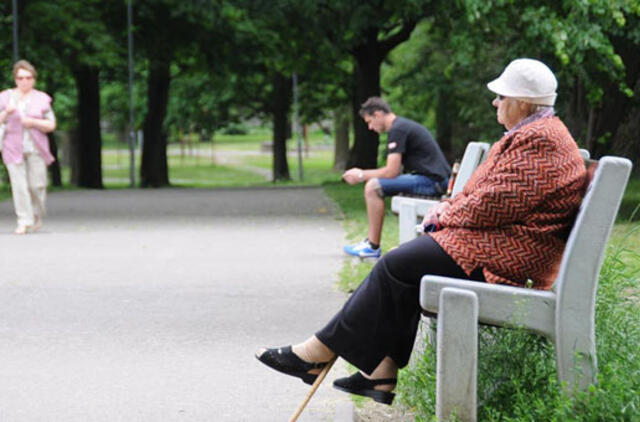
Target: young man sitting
x,y
415,165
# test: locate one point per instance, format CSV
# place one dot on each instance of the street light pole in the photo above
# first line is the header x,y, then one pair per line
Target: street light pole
x,y
132,130
15,30
296,125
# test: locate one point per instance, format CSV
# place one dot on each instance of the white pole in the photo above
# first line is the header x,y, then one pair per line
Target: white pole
x,y
296,125
132,129
15,30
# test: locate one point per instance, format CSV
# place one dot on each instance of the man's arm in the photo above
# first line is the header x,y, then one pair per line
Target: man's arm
x,y
391,169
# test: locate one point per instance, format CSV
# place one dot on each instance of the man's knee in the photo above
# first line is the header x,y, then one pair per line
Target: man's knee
x,y
373,188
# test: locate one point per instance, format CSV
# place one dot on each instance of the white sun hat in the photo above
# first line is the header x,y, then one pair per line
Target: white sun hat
x,y
527,80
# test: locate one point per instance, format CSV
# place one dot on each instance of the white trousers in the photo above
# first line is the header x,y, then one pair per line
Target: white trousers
x,y
29,188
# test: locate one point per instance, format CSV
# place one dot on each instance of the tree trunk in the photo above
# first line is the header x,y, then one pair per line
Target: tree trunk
x,y
282,92
577,114
154,170
364,153
612,130
87,141
368,58
341,146
444,124
54,168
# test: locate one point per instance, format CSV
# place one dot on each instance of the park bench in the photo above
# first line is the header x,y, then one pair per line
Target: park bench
x,y
410,208
565,314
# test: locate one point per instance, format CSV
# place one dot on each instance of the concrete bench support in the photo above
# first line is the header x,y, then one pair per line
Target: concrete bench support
x,y
457,353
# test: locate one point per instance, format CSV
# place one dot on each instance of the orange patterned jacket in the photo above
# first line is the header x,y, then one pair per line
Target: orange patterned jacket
x,y
514,214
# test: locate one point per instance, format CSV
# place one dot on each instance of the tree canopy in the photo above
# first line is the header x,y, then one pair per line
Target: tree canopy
x,y
205,64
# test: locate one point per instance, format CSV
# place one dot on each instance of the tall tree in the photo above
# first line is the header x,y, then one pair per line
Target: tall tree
x,y
76,31
278,42
440,75
170,33
368,31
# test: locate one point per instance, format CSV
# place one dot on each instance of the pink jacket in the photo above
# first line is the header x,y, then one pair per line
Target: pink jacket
x,y
39,106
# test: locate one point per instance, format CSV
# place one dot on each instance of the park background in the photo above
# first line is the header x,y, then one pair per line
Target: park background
x,y
215,105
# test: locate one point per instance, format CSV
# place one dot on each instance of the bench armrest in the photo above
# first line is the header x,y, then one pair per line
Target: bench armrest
x,y
421,205
498,304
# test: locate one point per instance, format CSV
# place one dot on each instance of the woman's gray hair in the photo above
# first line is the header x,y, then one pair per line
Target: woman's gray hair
x,y
23,64
538,107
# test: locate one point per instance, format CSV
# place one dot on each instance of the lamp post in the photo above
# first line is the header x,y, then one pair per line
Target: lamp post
x,y
15,30
296,125
132,129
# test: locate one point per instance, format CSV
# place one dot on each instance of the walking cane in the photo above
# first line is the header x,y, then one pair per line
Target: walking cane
x,y
314,387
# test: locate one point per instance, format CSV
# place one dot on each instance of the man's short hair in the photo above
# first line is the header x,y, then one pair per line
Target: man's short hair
x,y
372,105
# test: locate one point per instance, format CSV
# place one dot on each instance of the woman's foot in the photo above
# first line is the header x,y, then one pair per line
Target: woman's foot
x,y
284,360
377,389
21,229
37,223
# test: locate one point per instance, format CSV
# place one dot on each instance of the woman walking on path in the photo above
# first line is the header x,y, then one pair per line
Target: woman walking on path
x,y
26,117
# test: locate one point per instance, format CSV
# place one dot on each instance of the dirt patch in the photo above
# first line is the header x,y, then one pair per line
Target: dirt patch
x,y
376,412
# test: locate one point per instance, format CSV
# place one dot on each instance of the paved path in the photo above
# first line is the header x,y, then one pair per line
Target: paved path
x,y
147,305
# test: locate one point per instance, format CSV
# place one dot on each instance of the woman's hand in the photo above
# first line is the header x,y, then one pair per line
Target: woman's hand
x,y
27,122
9,109
43,125
433,214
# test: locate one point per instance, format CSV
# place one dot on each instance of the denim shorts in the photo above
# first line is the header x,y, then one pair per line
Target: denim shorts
x,y
414,184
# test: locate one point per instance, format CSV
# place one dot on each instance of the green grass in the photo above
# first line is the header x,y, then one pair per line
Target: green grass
x,y
351,202
629,208
5,193
194,171
240,156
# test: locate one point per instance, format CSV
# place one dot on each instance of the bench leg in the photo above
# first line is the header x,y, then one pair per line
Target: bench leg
x,y
576,353
457,354
407,218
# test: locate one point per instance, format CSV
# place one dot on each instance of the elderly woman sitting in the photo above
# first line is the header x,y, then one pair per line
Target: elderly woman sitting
x,y
509,225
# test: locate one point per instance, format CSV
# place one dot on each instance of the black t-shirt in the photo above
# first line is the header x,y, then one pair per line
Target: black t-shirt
x,y
420,152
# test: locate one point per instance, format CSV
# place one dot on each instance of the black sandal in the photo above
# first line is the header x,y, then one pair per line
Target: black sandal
x,y
358,384
284,360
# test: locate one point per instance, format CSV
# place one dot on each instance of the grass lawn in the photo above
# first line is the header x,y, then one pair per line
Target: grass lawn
x,y
230,160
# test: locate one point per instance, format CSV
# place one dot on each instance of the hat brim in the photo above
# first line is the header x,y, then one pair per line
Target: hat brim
x,y
498,87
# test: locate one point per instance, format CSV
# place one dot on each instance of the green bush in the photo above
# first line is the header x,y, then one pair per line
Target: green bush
x,y
516,370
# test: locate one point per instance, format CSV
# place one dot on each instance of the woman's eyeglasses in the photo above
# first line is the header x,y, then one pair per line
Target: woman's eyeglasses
x,y
21,78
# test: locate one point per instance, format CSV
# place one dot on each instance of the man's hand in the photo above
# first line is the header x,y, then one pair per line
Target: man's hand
x,y
433,215
353,176
11,108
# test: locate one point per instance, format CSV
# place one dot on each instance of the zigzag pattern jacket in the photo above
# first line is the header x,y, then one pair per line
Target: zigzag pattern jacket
x,y
514,214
